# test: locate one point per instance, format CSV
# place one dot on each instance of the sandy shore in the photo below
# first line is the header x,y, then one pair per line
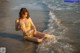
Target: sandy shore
x,y
13,40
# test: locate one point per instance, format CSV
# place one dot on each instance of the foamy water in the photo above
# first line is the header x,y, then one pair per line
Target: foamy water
x,y
58,30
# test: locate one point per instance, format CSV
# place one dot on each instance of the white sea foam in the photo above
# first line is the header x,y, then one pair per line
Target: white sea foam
x,y
44,47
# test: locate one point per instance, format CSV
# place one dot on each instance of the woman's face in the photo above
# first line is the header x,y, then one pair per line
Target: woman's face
x,y
25,15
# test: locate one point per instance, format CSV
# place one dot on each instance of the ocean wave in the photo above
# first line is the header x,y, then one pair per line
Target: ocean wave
x,y
55,28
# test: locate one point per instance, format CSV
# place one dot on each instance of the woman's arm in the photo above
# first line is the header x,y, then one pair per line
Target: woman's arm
x,y
33,26
23,27
17,28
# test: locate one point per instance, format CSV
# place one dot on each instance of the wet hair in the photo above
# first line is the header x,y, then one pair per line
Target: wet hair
x,y
22,11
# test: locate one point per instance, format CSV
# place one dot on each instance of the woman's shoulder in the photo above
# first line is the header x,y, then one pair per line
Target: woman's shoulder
x,y
30,18
21,21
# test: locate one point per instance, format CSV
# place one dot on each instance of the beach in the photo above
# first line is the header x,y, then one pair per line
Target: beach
x,y
13,40
54,17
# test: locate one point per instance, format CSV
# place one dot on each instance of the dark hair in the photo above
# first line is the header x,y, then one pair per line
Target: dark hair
x,y
22,11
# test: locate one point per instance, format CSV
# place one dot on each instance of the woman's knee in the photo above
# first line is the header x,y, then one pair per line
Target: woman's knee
x,y
34,39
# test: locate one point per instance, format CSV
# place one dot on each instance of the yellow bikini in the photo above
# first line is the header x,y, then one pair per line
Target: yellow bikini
x,y
30,34
29,25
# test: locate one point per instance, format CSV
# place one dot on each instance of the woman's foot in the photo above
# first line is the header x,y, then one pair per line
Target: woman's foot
x,y
39,40
46,36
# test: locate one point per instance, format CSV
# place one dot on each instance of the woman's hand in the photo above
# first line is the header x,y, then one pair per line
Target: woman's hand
x,y
32,31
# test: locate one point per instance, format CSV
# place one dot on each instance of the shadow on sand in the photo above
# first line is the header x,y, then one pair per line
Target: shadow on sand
x,y
16,44
13,36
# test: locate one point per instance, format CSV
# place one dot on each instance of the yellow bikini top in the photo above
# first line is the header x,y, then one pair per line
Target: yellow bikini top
x,y
28,25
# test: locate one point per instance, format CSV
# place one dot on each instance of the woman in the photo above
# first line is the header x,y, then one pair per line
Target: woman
x,y
28,28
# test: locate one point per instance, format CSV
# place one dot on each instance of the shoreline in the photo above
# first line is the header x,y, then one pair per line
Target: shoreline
x,y
70,20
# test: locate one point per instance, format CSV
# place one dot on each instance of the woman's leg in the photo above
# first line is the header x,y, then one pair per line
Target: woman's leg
x,y
39,34
34,39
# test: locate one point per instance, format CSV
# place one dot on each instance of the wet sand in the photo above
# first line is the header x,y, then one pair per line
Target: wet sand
x,y
11,39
